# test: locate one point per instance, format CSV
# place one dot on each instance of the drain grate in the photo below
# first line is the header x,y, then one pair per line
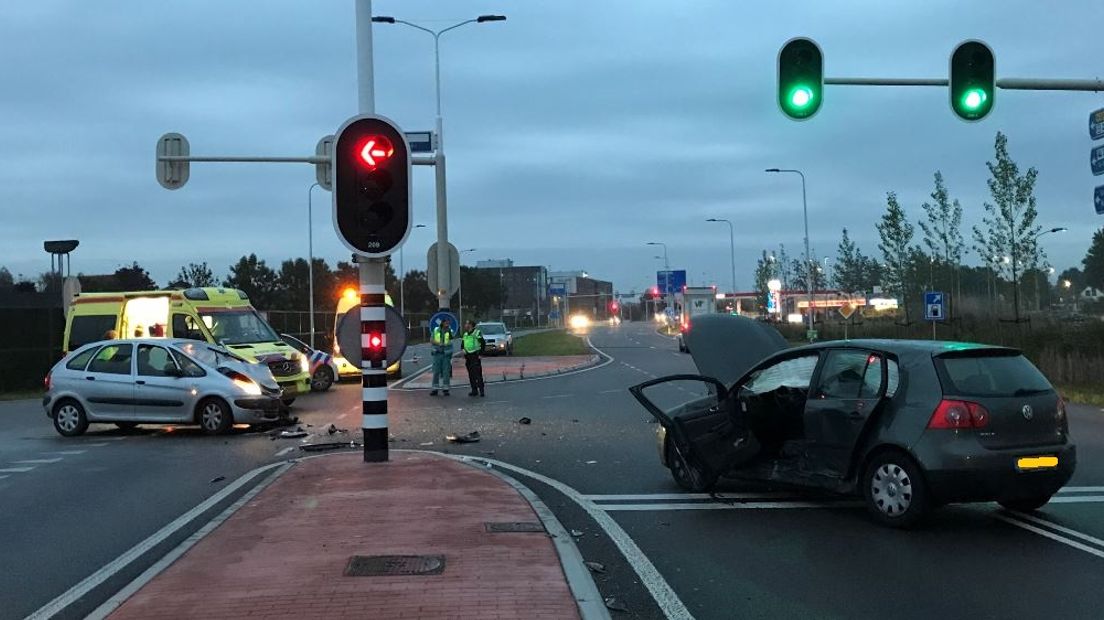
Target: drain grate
x,y
513,526
390,565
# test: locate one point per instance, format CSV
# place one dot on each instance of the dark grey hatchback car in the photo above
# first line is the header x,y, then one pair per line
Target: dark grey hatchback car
x,y
906,424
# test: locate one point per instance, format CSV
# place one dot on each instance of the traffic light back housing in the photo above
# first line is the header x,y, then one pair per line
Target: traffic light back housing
x,y
800,78
371,186
972,80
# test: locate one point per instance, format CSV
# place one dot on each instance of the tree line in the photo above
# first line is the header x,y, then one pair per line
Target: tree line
x,y
285,288
1009,262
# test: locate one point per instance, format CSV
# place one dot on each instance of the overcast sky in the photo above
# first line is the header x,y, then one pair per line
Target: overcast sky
x,y
576,130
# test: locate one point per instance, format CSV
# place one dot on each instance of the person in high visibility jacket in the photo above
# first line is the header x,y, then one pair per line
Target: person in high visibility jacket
x,y
473,344
441,343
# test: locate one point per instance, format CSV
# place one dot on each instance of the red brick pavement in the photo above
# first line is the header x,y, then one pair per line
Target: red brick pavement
x,y
282,555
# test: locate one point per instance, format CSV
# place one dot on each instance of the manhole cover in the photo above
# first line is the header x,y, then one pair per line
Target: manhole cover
x,y
384,565
513,526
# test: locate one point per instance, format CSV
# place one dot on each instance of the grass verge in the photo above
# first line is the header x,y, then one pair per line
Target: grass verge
x,y
1083,395
550,343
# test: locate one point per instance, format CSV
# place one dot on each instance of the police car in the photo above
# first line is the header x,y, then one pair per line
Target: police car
x,y
323,367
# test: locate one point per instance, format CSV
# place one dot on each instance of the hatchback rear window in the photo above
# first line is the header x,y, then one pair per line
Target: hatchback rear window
x,y
991,375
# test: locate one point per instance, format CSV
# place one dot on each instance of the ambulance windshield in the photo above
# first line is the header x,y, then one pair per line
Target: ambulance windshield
x,y
238,327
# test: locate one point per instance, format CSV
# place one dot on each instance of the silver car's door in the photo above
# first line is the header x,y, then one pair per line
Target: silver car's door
x,y
160,392
108,383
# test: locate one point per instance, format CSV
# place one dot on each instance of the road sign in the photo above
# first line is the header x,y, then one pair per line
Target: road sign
x,y
1096,160
671,282
1098,199
1096,124
172,174
934,303
846,310
452,284
323,173
557,290
420,141
435,322
349,336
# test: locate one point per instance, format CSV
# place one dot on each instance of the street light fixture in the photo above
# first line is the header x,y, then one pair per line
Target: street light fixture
x,y
439,165
808,256
666,267
1035,240
731,247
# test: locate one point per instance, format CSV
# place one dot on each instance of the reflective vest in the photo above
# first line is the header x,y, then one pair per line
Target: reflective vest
x,y
471,341
442,337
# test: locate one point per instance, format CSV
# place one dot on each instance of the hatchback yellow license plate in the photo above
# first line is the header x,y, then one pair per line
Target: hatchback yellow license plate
x,y
1028,463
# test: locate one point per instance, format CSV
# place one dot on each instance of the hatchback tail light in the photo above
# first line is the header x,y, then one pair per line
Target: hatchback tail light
x,y
1062,419
47,381
959,414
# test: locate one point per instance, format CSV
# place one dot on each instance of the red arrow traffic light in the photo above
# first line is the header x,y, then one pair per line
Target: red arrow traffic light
x,y
375,151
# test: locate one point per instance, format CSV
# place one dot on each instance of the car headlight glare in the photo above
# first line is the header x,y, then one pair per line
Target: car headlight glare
x,y
304,363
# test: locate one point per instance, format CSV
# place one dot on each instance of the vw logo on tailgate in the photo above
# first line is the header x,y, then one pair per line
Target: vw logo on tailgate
x,y
1028,413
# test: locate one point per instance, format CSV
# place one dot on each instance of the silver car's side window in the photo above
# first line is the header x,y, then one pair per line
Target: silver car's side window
x,y
795,372
80,360
112,359
189,367
154,361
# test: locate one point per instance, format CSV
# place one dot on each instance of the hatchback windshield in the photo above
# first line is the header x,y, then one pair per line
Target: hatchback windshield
x,y
492,328
205,353
238,327
991,375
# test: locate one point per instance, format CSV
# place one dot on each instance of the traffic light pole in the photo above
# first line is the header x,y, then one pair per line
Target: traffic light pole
x,y
373,317
1094,85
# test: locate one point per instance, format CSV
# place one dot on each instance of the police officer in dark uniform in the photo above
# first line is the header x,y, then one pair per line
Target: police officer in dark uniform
x,y
473,344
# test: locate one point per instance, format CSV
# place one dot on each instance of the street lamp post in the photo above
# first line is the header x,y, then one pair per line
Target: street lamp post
x,y
310,257
1035,241
731,247
402,277
666,271
460,288
808,256
439,165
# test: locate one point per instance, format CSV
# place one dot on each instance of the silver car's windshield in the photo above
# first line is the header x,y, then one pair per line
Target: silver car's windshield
x,y
492,329
205,353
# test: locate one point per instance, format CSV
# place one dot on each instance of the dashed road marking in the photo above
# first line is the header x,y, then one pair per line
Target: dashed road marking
x,y
610,391
285,450
2,477
558,396
95,445
15,470
37,461
68,452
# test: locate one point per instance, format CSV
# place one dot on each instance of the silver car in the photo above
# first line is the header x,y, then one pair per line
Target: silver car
x,y
156,381
497,336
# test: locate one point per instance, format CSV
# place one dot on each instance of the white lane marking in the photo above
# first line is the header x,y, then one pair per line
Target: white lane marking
x,y
612,391
342,416
1065,530
1077,499
2,477
1051,535
121,596
1081,490
37,461
558,396
665,597
90,582
15,470
68,452
728,506
95,445
285,450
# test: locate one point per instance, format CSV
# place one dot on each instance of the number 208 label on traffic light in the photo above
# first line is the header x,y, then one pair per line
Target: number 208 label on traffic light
x,y
371,185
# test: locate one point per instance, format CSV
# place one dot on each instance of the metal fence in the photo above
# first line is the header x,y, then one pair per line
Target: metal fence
x,y
30,343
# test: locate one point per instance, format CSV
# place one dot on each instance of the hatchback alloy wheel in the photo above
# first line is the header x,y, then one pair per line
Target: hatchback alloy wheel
x,y
214,417
69,419
891,488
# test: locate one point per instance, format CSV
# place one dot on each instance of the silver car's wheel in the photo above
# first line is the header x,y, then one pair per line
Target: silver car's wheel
x,y
215,417
891,489
69,418
895,491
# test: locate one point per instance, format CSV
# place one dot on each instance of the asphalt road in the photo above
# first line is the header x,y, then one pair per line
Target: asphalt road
x,y
70,506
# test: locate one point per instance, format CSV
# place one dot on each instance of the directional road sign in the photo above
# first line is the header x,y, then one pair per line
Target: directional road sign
x,y
557,290
1098,199
1096,160
435,322
420,141
1096,124
349,336
323,173
451,282
671,282
172,174
934,304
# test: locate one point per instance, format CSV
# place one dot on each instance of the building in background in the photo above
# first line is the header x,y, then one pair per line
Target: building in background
x,y
525,291
583,293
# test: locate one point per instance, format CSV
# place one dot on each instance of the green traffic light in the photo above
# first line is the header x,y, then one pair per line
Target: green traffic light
x,y
974,98
801,97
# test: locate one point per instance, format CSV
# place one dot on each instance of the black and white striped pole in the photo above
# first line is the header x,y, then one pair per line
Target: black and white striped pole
x,y
373,356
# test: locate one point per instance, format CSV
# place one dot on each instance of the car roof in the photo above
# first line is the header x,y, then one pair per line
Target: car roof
x,y
490,323
905,347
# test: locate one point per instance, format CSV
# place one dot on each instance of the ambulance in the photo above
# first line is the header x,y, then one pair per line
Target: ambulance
x,y
220,316
350,298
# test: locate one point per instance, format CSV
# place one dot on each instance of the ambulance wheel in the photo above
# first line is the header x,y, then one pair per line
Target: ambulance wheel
x,y
322,380
287,401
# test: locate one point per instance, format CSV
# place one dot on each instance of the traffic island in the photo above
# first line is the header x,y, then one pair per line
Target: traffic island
x,y
508,368
422,536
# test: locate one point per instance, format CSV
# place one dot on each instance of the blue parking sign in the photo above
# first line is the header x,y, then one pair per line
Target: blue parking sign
x,y
435,322
934,306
